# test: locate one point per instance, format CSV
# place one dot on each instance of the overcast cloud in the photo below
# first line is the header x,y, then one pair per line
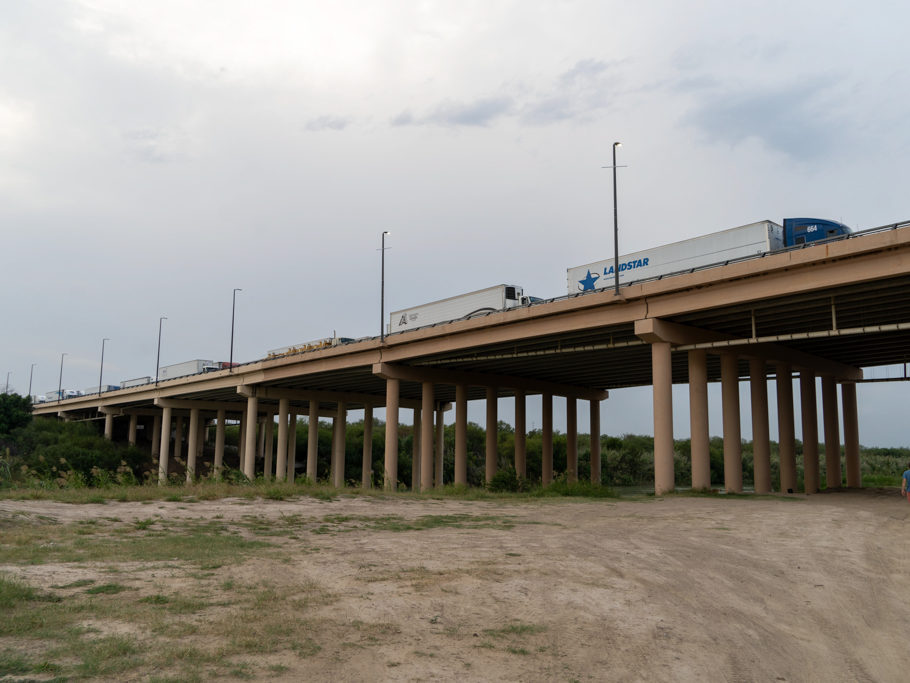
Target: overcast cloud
x,y
153,156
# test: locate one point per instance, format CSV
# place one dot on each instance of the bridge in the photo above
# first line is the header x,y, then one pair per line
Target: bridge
x,y
820,311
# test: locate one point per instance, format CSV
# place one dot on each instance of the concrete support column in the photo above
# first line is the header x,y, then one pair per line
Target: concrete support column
x,y
440,444
785,428
260,451
415,450
366,474
292,446
810,430
341,424
392,389
492,435
192,446
156,436
249,438
165,443
241,443
220,419
761,440
269,425
595,441
109,426
134,427
698,420
312,442
281,459
461,434
426,437
851,435
833,474
733,456
521,431
571,439
546,439
662,379
178,437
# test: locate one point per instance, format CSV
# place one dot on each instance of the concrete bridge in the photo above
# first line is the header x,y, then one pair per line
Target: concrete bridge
x,y
824,310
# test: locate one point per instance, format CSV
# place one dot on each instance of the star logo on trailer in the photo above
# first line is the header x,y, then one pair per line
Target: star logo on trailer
x,y
587,285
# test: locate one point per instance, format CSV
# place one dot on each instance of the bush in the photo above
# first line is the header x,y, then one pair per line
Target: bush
x,y
15,412
506,481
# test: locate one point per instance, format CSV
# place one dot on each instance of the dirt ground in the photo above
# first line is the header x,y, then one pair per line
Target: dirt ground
x,y
684,588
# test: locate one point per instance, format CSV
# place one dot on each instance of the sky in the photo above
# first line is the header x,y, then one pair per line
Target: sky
x,y
154,156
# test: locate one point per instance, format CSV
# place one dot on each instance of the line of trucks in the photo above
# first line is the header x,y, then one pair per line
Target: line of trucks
x,y
719,248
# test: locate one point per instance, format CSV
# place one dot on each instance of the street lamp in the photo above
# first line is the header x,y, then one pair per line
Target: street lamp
x,y
233,309
6,391
31,370
60,383
101,372
158,361
615,227
382,292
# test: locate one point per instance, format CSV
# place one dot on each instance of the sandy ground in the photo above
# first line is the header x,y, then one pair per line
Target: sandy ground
x,y
797,589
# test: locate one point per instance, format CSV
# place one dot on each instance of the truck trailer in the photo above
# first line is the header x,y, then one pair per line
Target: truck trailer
x,y
700,252
189,367
489,300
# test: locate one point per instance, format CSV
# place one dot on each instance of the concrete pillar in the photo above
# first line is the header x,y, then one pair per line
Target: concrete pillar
x,y
260,449
461,434
192,446
292,446
341,424
108,426
390,473
440,444
249,438
178,437
851,435
571,439
662,380
785,428
241,443
134,427
833,474
546,439
281,459
220,418
312,442
698,420
595,441
810,430
733,456
492,456
156,436
521,431
761,440
165,444
415,450
366,475
426,438
269,425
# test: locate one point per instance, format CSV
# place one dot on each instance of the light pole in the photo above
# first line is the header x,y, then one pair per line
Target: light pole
x,y
101,372
615,227
60,383
6,391
158,361
30,372
382,291
233,309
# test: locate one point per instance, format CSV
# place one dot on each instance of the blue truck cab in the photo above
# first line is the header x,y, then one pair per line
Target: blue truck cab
x,y
808,230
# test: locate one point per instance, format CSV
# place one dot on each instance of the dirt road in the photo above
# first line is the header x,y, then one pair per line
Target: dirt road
x,y
695,589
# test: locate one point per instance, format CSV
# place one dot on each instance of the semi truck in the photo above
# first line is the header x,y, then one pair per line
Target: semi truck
x,y
314,345
489,300
699,252
189,367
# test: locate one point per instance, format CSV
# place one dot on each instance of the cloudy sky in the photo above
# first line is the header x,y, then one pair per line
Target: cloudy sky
x,y
155,155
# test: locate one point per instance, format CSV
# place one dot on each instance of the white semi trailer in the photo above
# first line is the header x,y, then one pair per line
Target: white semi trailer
x,y
189,367
717,248
496,298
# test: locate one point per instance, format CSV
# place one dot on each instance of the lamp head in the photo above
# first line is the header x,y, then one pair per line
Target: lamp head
x,y
617,145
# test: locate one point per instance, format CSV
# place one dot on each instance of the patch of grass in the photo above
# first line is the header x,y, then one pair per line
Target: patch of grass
x,y
79,583
106,589
514,629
